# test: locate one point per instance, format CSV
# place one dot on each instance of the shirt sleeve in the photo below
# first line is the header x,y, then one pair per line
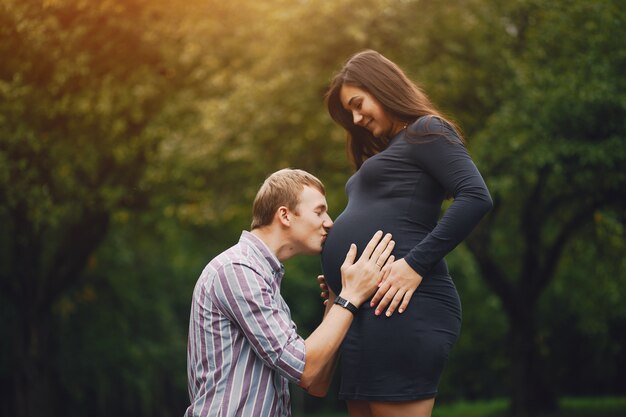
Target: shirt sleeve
x,y
443,156
247,298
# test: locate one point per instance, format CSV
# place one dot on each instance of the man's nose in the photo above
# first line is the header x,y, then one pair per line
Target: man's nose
x,y
328,223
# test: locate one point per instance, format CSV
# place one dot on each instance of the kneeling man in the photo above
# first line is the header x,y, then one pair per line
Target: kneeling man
x,y
243,348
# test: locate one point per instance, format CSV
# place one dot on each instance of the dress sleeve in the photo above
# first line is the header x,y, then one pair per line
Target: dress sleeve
x,y
440,152
247,299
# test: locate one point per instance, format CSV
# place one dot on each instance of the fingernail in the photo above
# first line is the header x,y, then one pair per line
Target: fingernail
x,y
372,304
377,312
388,314
400,311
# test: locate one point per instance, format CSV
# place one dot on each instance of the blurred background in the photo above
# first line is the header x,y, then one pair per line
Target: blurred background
x,y
135,133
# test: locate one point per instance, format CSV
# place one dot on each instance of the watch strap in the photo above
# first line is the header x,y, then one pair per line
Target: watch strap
x,y
346,304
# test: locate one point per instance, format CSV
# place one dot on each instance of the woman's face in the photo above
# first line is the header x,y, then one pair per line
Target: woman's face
x,y
368,112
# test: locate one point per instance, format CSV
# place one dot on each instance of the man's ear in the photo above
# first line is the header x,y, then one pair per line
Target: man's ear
x,y
283,215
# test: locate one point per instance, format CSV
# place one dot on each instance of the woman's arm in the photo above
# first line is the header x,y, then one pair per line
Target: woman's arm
x,y
443,156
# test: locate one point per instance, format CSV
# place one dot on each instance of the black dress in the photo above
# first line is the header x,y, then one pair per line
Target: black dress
x,y
400,191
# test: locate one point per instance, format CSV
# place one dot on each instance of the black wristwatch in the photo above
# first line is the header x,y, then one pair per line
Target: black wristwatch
x,y
346,304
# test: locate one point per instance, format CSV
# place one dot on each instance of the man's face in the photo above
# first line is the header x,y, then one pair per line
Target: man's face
x,y
310,222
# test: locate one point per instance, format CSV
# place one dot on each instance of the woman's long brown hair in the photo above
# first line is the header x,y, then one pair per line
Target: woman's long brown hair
x,y
387,83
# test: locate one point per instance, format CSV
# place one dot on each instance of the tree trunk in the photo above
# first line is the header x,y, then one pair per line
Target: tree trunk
x,y
531,394
31,375
28,346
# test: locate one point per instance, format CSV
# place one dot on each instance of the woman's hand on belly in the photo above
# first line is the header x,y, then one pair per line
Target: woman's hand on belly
x,y
396,289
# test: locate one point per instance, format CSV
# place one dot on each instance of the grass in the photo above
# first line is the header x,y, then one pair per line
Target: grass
x,y
570,407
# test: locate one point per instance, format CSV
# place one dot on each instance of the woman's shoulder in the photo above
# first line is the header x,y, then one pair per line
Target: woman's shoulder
x,y
430,125
432,129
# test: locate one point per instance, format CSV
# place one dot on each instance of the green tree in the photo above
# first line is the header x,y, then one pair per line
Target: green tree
x,y
82,87
553,155
115,175
495,67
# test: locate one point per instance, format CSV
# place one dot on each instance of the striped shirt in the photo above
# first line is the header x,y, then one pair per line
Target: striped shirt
x,y
243,348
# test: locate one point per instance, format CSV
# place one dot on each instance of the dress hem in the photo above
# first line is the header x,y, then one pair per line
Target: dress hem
x,y
387,398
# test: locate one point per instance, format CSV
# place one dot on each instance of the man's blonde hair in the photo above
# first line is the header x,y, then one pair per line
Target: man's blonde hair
x,y
281,188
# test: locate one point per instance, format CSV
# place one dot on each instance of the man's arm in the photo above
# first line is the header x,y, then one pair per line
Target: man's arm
x,y
320,387
246,298
359,280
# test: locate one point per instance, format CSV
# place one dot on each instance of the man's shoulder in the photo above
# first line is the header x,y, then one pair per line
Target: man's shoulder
x,y
238,254
220,268
228,272
234,264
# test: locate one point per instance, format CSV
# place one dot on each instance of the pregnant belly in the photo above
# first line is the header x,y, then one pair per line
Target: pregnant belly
x,y
358,228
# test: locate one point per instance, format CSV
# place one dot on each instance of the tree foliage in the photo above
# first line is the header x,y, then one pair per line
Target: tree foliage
x,y
542,152
134,134
82,87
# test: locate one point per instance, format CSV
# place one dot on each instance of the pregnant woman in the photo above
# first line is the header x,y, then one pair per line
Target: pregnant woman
x,y
408,160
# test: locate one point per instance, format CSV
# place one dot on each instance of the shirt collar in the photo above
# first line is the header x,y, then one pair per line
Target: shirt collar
x,y
277,268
